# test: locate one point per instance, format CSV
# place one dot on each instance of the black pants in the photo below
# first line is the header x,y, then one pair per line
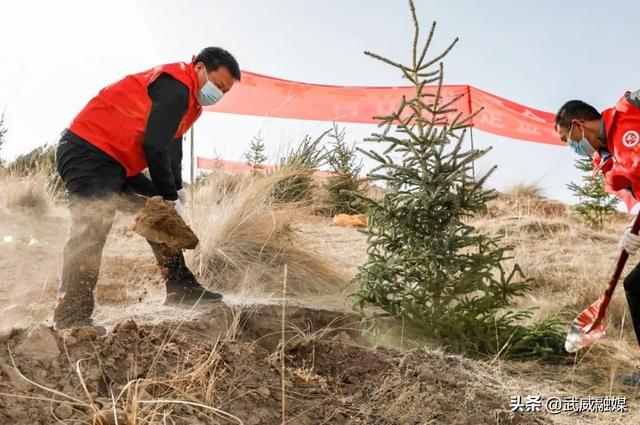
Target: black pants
x,y
97,185
632,291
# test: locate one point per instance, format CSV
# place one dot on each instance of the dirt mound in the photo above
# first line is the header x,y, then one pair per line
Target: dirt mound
x,y
159,222
189,373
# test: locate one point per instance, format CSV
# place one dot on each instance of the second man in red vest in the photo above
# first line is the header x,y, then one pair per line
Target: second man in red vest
x,y
612,140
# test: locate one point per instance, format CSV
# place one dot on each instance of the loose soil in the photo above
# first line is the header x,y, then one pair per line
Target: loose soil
x,y
232,360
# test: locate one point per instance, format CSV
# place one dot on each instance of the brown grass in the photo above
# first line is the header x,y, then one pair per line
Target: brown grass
x,y
524,190
26,193
245,237
218,186
570,265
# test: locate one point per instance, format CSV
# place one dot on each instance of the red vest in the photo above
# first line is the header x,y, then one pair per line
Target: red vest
x,y
116,119
622,126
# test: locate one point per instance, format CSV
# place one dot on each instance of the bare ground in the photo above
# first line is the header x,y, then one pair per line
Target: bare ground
x,y
175,365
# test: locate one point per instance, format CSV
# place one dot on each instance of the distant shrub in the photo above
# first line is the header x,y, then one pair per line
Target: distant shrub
x,y
594,202
27,193
343,186
302,161
255,156
40,161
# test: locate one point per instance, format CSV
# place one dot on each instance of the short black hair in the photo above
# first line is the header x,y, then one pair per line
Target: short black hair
x,y
576,110
215,57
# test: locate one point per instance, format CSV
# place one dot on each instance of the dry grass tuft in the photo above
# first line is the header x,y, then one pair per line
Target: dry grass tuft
x,y
218,186
525,206
246,237
27,193
524,190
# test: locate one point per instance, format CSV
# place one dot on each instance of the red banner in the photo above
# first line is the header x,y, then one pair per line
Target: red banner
x,y
510,119
273,97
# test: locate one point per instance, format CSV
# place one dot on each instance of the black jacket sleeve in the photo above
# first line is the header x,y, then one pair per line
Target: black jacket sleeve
x,y
176,161
170,99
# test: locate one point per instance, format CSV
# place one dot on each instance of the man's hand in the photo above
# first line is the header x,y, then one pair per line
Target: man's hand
x,y
629,242
178,206
183,196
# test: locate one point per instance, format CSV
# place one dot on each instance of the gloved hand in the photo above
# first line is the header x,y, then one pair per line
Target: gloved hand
x,y
183,195
178,206
629,242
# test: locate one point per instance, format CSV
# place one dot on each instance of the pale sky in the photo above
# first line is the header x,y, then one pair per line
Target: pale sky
x,y
57,55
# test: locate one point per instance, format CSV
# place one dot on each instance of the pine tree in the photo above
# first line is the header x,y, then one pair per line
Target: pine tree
x,y
594,203
426,264
255,156
344,183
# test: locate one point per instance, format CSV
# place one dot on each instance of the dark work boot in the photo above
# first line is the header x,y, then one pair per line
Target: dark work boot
x,y
179,293
182,286
80,323
74,311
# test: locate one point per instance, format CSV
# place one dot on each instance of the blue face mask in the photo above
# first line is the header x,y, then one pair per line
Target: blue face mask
x,y
209,94
581,147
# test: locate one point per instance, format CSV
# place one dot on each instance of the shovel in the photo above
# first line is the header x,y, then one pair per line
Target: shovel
x,y
589,325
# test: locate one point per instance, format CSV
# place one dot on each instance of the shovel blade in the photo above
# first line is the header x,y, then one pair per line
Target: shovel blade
x,y
580,332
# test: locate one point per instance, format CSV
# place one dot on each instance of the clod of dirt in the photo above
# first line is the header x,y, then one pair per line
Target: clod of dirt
x,y
263,391
64,411
107,417
6,334
159,222
84,333
39,344
14,378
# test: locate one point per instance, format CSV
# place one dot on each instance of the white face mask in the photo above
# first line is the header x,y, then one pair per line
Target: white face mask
x,y
580,147
209,94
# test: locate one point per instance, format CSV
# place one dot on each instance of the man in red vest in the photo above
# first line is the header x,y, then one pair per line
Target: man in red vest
x,y
612,140
131,125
